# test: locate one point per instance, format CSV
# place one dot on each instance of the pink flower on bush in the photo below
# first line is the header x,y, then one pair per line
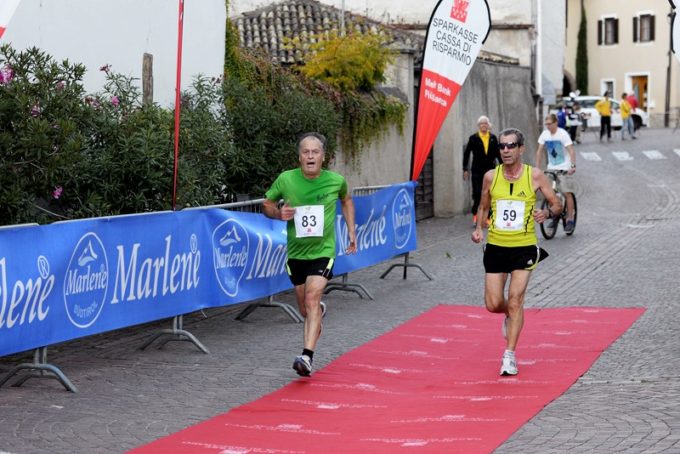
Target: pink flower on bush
x,y
105,68
60,85
36,111
58,190
6,75
92,102
115,101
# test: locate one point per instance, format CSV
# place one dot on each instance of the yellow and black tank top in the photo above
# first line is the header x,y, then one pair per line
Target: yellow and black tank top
x,y
513,202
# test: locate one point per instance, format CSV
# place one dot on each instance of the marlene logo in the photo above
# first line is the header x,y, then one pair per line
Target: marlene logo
x,y
402,218
459,10
86,282
230,244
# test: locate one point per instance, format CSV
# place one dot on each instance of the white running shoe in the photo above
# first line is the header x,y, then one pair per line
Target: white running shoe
x,y
323,309
504,328
303,365
509,365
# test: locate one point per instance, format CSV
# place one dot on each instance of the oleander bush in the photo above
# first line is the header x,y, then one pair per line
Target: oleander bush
x,y
67,154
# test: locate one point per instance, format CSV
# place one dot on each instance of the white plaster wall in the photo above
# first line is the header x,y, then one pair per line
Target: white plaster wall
x,y
500,92
118,33
553,39
388,159
617,62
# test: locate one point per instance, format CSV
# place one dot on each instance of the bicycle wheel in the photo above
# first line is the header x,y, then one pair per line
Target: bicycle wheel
x,y
549,226
564,219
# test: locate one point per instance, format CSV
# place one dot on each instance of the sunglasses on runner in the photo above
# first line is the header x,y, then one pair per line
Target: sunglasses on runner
x,y
509,145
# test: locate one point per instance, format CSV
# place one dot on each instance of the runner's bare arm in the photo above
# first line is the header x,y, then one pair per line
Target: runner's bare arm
x,y
484,204
271,210
542,183
347,205
539,155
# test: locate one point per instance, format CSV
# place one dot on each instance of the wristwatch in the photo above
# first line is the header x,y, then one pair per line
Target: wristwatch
x,y
573,166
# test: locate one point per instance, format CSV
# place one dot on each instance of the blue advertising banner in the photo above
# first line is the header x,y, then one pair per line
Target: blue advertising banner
x,y
72,279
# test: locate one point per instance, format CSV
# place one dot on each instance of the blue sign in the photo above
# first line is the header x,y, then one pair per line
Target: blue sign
x,y
72,279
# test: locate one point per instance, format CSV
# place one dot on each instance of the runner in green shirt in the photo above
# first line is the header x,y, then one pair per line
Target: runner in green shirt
x,y
310,194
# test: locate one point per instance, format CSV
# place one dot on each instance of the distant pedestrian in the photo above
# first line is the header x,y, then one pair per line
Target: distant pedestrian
x,y
483,146
512,246
604,108
310,194
562,117
626,118
575,122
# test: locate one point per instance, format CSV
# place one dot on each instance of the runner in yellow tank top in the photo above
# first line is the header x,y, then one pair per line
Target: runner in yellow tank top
x,y
512,222
512,249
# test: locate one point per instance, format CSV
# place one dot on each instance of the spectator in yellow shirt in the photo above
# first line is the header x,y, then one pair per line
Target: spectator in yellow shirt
x,y
626,118
604,108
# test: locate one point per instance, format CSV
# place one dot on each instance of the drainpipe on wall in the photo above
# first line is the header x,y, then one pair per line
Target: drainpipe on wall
x,y
667,105
539,50
538,61
342,18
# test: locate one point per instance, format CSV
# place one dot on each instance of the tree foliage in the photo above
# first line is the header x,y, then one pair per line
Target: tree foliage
x,y
349,62
355,66
582,53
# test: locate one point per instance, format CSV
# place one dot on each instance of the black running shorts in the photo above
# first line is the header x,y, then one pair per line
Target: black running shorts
x,y
501,259
298,270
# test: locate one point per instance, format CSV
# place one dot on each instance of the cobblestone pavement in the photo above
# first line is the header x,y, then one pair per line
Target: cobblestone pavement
x,y
624,253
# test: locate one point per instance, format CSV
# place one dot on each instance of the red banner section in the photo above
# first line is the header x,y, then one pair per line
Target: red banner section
x,y
431,385
7,8
436,97
455,35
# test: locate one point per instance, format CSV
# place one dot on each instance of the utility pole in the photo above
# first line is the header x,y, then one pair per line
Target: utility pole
x,y
667,106
342,18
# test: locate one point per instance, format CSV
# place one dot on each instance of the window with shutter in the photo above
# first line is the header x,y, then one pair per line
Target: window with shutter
x,y
616,31
599,33
643,28
611,31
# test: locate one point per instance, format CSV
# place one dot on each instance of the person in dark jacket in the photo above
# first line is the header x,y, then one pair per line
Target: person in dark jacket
x,y
483,146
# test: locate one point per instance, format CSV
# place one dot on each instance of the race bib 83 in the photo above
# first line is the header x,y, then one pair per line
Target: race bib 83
x,y
309,221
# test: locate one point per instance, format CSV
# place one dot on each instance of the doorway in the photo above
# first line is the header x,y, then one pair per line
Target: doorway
x,y
639,84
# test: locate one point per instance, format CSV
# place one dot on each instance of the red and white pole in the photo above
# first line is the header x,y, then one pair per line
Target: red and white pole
x,y
178,99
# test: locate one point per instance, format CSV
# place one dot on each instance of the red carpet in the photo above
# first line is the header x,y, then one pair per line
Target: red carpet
x,y
430,385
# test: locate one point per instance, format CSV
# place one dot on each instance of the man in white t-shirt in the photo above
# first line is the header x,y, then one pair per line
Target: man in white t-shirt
x,y
557,145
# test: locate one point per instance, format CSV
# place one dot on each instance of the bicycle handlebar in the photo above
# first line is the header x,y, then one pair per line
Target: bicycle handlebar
x,y
556,172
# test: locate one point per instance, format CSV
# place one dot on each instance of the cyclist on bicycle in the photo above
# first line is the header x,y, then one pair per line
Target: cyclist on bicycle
x,y
557,144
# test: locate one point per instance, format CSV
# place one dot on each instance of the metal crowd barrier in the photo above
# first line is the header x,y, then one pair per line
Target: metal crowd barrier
x,y
39,368
255,206
367,190
344,285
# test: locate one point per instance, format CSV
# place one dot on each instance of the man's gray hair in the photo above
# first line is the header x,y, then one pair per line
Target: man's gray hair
x,y
484,118
320,137
519,135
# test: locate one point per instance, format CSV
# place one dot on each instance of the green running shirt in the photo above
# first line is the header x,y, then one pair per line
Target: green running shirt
x,y
320,193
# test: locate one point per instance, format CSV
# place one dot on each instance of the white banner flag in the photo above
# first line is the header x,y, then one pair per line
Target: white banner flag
x,y
455,35
7,8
